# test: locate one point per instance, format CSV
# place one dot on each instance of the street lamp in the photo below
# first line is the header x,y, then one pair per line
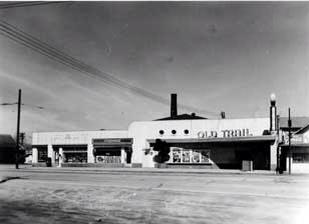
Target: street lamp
x,y
273,97
273,113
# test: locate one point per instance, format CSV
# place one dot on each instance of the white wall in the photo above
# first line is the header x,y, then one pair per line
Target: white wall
x,y
74,137
306,137
300,168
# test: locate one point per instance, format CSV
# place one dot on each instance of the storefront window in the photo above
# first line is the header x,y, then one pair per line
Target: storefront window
x,y
196,156
75,154
176,156
108,159
300,157
180,155
108,156
186,156
42,155
205,156
75,157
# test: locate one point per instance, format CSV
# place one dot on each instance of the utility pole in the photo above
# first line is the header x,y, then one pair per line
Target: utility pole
x,y
22,138
18,126
290,153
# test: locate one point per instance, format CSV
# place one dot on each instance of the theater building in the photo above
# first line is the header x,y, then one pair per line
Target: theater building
x,y
204,143
193,141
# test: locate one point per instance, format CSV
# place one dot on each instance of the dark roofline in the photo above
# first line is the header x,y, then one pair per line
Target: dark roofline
x,y
182,117
302,130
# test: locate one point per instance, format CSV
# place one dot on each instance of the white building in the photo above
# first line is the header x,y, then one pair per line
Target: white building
x,y
192,141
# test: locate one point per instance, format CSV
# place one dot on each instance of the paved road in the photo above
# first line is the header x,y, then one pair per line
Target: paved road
x,y
117,196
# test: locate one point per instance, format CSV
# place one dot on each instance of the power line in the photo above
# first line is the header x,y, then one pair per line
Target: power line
x,y
53,53
27,4
34,46
23,104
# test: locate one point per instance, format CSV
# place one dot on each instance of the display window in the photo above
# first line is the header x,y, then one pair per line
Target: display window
x,y
176,156
75,154
108,156
186,155
181,155
205,156
75,157
108,159
300,157
196,156
42,155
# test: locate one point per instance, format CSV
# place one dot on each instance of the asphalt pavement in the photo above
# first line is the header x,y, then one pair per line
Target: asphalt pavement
x,y
151,196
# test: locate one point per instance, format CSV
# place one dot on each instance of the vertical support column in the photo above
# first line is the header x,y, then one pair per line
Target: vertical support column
x,y
53,157
289,162
90,156
34,155
50,152
123,155
273,155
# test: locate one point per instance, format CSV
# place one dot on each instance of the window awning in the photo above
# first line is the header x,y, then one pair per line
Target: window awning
x,y
297,145
69,146
107,149
263,138
112,143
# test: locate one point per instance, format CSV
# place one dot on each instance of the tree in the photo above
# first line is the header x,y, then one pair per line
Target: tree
x,y
163,150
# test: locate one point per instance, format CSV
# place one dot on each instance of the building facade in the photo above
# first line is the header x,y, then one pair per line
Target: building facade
x,y
191,141
222,143
82,147
295,154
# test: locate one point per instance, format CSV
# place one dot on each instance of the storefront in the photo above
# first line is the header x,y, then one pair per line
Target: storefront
x,y
298,151
222,143
113,150
221,153
82,148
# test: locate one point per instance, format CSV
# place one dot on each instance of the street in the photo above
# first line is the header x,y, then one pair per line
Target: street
x,y
41,195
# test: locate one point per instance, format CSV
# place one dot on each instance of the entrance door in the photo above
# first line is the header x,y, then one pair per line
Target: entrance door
x,y
56,156
129,155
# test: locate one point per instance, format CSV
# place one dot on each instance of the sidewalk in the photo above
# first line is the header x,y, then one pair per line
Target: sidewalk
x,y
178,171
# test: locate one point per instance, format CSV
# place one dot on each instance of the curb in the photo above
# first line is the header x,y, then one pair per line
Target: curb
x,y
150,171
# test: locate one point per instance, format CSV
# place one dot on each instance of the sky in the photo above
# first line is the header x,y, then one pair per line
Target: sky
x,y
216,56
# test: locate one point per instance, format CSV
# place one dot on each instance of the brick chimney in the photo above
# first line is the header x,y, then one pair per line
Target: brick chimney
x,y
173,105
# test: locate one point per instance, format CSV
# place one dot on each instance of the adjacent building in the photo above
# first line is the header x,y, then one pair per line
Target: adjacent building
x,y
7,149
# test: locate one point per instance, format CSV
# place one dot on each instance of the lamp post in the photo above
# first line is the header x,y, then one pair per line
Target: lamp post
x,y
273,113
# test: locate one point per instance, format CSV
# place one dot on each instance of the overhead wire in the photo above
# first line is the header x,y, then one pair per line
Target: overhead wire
x,y
27,40
27,4
73,62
